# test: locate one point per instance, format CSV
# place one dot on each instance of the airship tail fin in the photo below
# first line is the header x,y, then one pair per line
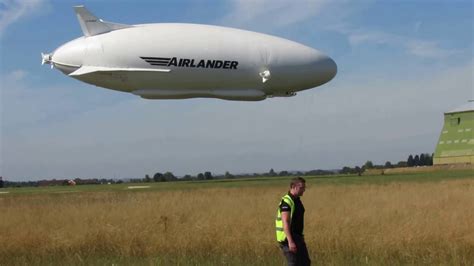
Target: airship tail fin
x,y
91,25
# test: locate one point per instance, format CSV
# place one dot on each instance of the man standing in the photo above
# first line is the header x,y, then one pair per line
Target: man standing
x,y
290,223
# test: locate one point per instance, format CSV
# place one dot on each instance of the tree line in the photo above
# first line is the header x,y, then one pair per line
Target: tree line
x,y
423,159
169,176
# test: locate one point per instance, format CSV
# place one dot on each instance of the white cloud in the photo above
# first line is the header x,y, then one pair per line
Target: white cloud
x,y
359,37
16,75
427,49
13,10
413,46
327,15
273,13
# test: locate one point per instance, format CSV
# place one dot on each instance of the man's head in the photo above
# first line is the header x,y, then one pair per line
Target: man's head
x,y
297,186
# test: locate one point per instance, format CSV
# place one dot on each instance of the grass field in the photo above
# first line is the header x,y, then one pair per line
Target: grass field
x,y
425,218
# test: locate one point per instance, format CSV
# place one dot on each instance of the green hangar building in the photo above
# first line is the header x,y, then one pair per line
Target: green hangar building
x,y
456,141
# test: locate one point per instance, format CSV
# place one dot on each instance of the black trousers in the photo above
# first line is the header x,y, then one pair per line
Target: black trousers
x,y
301,257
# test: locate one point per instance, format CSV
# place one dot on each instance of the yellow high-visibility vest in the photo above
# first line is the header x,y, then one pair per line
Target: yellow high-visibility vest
x,y
280,234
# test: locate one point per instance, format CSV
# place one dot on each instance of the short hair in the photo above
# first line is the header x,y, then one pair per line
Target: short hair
x,y
297,180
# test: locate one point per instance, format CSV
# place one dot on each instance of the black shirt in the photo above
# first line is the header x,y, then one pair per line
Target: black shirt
x,y
297,220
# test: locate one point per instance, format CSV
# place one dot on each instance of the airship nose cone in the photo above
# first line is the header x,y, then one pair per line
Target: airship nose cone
x,y
323,68
69,56
327,68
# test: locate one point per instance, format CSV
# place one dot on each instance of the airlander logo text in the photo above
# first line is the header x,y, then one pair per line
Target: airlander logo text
x,y
184,62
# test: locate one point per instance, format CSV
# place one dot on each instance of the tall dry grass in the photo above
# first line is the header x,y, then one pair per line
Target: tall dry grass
x,y
400,223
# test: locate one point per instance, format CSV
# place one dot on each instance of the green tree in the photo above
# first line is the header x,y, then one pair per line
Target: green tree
x,y
345,170
147,178
416,160
158,177
200,176
428,158
402,164
283,173
388,164
410,161
369,165
169,176
1,182
228,175
358,170
208,176
272,172
423,159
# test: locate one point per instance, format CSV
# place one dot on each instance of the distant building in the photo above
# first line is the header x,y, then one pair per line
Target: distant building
x,y
456,141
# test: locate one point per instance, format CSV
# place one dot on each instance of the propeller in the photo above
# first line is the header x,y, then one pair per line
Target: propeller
x,y
46,59
265,75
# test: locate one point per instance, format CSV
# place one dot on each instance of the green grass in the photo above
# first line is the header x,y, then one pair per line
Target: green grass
x,y
340,236
247,182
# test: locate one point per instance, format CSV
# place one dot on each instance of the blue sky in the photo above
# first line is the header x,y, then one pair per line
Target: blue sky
x,y
401,64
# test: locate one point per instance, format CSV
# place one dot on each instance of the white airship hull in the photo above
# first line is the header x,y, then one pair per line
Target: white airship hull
x,y
179,61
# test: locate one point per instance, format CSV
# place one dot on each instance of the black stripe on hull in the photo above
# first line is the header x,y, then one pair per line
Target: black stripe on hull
x,y
156,61
155,58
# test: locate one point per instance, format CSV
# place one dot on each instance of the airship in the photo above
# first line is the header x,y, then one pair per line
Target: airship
x,y
182,61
